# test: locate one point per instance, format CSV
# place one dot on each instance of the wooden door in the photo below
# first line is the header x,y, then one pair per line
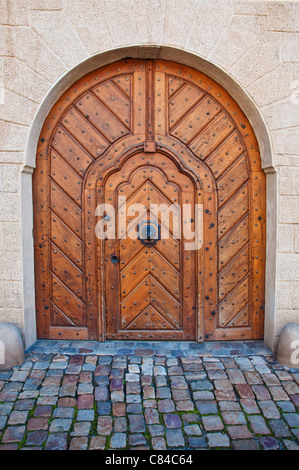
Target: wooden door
x,y
148,130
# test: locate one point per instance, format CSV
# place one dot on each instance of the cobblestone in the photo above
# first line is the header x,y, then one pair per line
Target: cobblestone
x,y
218,439
212,423
239,432
81,429
269,443
269,409
156,396
118,440
258,424
59,425
233,417
158,443
172,421
175,438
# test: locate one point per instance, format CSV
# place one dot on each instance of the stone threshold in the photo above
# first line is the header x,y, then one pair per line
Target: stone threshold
x,y
152,348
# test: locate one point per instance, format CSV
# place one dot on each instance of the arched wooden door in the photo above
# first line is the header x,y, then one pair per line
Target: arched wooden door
x,y
155,133
152,278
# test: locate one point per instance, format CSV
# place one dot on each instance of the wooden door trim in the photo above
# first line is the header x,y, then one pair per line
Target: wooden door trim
x,y
201,176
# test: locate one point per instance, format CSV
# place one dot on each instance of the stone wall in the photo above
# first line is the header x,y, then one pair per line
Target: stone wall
x,y
255,42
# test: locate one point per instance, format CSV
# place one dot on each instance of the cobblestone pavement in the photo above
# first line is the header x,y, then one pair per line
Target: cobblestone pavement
x,y
149,396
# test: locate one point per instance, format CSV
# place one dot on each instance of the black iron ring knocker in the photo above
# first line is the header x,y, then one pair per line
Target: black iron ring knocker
x,y
149,232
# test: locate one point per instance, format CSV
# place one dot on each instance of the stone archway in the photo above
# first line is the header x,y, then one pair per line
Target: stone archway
x,y
263,141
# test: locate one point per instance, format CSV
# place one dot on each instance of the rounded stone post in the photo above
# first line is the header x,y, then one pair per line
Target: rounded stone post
x,y
288,346
11,346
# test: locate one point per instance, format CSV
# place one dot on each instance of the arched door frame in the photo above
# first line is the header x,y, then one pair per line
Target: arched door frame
x,y
238,94
207,186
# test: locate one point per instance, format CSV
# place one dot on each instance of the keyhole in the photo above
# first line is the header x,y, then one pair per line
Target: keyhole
x,y
148,232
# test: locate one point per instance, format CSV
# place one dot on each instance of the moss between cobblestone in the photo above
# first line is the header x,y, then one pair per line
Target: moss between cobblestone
x,y
68,437
52,417
108,439
22,442
147,436
30,415
255,435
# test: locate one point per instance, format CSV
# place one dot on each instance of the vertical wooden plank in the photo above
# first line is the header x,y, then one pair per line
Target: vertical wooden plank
x,y
258,243
91,264
41,243
139,106
149,101
160,101
111,260
188,263
210,261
